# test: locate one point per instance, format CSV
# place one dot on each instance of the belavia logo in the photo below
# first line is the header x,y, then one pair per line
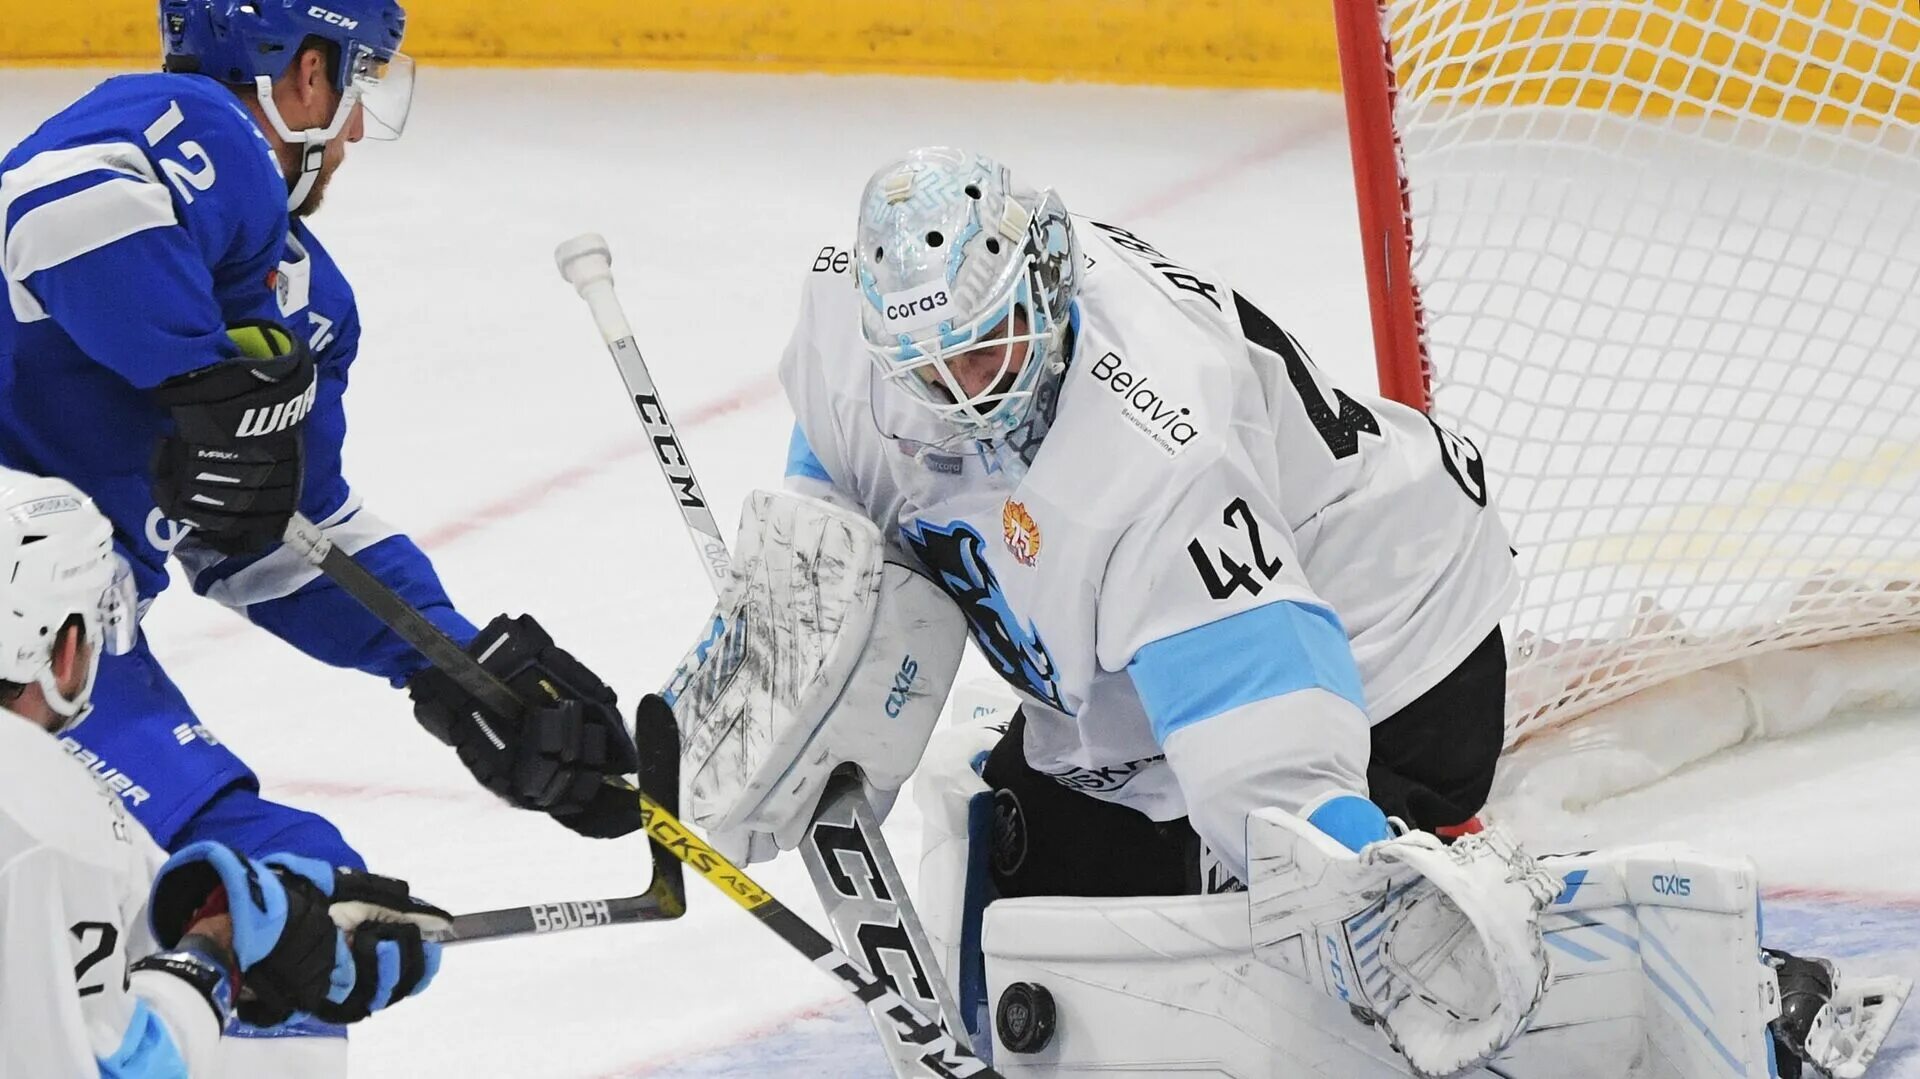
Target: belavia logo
x,y
1170,426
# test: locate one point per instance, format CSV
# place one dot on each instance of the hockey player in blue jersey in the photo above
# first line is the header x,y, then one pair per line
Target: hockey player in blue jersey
x,y
175,341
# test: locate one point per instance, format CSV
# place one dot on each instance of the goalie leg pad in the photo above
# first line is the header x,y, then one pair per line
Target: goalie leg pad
x,y
1165,985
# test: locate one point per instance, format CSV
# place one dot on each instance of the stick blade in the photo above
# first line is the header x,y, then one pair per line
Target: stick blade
x,y
656,735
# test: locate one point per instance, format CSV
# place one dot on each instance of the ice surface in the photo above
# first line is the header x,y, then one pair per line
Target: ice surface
x,y
488,421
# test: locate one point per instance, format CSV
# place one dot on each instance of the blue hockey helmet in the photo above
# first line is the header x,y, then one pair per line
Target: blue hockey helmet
x,y
252,42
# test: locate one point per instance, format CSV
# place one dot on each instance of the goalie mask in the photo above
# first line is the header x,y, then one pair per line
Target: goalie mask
x,y
58,565
968,282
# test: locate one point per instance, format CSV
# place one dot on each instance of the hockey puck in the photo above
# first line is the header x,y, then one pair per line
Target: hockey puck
x,y
1024,1019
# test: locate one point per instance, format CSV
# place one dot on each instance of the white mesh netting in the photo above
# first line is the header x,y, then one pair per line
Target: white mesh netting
x,y
1669,255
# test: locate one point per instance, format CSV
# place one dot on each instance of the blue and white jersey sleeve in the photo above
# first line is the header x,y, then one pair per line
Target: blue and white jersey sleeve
x,y
279,590
142,222
820,463
1244,673
805,472
74,878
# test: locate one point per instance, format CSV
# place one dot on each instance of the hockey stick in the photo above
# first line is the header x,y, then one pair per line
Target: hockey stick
x,y
657,738
852,871
941,1054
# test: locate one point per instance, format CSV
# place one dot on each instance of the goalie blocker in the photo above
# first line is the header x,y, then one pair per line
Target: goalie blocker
x,y
821,657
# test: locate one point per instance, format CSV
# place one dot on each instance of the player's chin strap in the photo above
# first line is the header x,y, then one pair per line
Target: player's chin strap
x,y
71,710
311,141
312,151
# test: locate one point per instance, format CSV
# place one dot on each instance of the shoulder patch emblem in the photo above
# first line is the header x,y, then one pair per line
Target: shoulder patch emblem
x,y
1021,533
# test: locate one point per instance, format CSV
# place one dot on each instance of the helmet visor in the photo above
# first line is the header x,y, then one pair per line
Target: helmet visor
x,y
385,86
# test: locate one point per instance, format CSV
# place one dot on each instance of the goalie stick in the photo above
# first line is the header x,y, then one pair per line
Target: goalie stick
x,y
656,737
941,1055
853,872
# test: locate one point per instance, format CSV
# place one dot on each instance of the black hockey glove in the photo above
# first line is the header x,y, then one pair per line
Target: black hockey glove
x,y
335,943
557,753
233,466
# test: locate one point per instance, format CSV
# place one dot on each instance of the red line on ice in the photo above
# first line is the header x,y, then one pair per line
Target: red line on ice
x,y
1856,897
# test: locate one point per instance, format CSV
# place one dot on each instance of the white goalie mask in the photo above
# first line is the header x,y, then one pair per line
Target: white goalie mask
x,y
967,283
57,564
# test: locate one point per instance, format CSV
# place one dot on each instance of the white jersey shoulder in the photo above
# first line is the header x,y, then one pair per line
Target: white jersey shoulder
x,y
1197,467
75,873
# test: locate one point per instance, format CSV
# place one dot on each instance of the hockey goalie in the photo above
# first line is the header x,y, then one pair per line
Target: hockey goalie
x,y
1253,627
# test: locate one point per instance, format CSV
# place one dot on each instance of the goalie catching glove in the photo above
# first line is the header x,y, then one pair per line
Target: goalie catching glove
x,y
820,655
557,754
1439,945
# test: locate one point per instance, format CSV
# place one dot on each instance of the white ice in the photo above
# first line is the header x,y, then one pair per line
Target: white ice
x,y
488,421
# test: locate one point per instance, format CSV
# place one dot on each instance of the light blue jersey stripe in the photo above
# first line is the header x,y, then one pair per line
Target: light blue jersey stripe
x,y
147,1052
1352,820
801,460
1269,651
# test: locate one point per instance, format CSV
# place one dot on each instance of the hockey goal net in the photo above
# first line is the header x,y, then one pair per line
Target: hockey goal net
x,y
1660,260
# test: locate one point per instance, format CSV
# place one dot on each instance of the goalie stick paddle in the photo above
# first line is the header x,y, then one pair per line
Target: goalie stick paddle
x,y
941,1055
853,873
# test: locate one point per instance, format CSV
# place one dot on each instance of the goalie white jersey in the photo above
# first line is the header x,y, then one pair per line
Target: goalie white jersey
x,y
1211,573
75,872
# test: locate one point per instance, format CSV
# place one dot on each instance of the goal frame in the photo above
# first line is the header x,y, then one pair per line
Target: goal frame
x,y
1386,218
